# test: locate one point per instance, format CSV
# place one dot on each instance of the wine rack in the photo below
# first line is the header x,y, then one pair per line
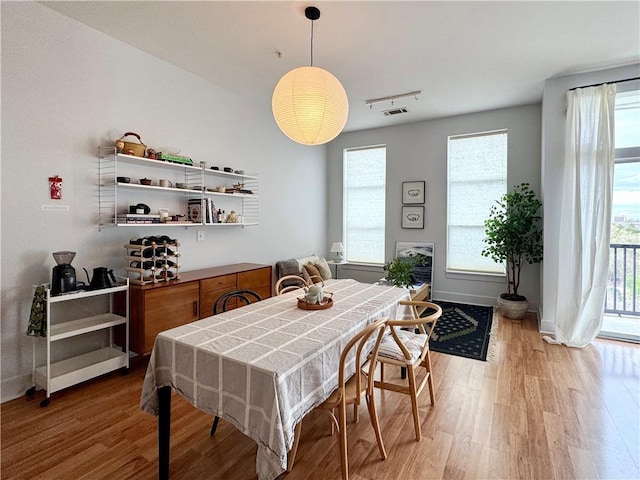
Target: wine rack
x,y
152,260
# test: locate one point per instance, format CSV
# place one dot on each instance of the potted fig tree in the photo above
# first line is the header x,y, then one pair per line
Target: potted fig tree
x,y
514,238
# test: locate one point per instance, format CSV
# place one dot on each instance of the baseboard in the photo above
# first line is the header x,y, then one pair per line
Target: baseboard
x,y
546,327
463,298
15,387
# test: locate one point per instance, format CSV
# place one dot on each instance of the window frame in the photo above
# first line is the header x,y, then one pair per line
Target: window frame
x,y
457,273
345,189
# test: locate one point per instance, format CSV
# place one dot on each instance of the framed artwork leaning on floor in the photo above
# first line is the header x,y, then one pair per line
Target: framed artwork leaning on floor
x,y
423,269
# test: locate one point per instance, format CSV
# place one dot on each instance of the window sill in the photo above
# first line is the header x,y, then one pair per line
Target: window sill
x,y
476,277
369,266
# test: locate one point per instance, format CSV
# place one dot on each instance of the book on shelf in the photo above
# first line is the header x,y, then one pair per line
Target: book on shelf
x,y
212,217
138,218
142,215
174,158
143,220
194,210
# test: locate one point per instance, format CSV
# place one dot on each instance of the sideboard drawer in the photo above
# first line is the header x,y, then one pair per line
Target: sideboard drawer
x,y
208,300
253,279
218,283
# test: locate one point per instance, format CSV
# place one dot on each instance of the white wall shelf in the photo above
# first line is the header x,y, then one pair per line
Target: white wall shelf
x,y
200,183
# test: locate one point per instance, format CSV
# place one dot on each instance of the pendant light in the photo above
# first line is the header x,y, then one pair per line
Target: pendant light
x,y
309,104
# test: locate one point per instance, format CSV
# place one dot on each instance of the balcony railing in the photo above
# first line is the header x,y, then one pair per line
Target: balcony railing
x,y
623,282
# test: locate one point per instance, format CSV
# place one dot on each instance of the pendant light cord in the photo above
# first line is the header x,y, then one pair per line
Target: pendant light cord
x,y
312,43
312,13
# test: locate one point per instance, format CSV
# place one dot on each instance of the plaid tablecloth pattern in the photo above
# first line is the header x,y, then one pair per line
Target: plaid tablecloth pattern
x,y
264,366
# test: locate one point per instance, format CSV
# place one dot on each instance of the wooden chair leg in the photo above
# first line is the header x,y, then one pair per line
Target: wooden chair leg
x,y
373,415
344,465
411,374
427,362
333,423
296,440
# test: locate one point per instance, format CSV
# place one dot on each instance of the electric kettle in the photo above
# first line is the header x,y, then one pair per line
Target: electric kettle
x,y
102,278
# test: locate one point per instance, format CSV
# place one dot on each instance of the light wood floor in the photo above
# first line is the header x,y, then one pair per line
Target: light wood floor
x,y
538,412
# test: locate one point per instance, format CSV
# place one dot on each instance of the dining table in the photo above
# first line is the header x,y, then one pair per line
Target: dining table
x,y
262,367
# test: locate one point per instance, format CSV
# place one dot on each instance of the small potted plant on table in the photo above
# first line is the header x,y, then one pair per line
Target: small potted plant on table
x,y
514,237
400,271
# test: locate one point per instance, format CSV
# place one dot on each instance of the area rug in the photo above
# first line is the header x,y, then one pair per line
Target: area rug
x,y
463,330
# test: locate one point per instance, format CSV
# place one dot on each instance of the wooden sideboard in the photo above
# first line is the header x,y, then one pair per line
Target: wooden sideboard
x,y
165,305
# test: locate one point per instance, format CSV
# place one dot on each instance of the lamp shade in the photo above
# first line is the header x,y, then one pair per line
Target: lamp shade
x,y
310,105
337,247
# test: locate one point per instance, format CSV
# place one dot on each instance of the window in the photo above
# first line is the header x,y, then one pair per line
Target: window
x,y
364,204
476,178
623,279
626,185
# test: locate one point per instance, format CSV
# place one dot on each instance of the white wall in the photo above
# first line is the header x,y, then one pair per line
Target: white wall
x,y
419,152
67,88
554,108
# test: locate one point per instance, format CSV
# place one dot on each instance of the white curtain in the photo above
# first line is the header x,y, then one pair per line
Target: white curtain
x,y
585,215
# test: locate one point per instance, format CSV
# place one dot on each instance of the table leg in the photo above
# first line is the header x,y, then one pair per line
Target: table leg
x,y
164,424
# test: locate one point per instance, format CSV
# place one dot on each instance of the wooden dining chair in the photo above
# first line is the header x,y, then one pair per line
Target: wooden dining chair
x,y
350,390
289,283
221,305
407,345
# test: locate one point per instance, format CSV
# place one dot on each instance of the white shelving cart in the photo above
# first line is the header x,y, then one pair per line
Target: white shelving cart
x,y
58,375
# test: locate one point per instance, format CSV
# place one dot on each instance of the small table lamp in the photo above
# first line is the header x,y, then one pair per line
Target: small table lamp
x,y
338,248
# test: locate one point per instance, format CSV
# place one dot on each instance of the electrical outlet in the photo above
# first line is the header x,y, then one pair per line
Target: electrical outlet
x,y
200,236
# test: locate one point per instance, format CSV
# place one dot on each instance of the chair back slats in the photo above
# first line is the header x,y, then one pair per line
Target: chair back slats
x,y
249,296
289,283
360,340
416,322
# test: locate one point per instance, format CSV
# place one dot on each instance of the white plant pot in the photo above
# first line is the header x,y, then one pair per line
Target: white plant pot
x,y
514,309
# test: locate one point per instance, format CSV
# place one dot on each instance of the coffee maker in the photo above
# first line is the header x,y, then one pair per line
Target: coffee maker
x,y
63,278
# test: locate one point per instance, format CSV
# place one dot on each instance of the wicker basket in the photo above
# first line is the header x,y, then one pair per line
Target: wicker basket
x,y
136,149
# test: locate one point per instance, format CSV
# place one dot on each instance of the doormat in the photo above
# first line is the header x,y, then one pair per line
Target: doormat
x,y
462,330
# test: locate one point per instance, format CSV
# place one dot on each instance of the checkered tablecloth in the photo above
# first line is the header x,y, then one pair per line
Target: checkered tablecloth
x,y
264,366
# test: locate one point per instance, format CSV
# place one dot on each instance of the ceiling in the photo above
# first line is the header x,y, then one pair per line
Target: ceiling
x,y
464,56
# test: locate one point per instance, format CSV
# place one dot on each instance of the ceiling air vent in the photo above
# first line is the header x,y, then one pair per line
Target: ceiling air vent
x,y
395,111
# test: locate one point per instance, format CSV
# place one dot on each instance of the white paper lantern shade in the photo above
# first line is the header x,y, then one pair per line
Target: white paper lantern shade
x,y
310,105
